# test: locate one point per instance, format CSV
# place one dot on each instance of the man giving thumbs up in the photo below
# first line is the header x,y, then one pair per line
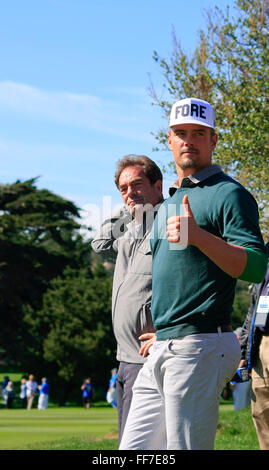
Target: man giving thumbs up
x,y
204,237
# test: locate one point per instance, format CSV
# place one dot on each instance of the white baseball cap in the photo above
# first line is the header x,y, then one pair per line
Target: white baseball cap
x,y
192,111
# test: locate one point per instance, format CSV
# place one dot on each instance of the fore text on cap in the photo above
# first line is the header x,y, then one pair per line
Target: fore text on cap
x,y
190,110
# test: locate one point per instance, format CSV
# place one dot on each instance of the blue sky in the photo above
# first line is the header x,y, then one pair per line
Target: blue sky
x,y
73,88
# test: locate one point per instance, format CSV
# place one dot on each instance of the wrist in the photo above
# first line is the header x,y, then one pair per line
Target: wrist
x,y
200,238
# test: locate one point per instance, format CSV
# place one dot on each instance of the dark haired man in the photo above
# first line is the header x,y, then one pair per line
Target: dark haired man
x,y
126,236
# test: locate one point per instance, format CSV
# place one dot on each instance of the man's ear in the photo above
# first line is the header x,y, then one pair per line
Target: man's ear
x,y
214,141
159,186
169,139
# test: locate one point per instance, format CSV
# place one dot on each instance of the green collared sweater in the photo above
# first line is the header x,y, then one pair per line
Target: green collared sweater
x,y
190,293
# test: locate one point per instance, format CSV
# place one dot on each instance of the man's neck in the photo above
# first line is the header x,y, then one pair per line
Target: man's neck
x,y
181,174
184,173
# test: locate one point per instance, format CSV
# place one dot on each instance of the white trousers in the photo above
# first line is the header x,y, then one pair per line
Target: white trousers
x,y
43,401
176,394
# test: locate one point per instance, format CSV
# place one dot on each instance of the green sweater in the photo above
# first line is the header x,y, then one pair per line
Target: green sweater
x,y
190,293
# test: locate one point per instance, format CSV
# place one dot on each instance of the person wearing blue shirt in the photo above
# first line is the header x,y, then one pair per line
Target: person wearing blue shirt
x,y
87,392
43,398
111,393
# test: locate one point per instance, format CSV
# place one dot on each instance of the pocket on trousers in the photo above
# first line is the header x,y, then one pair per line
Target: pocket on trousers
x,y
183,348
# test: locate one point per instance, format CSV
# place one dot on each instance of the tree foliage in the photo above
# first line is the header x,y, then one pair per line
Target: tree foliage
x,y
55,301
73,330
37,241
241,303
229,68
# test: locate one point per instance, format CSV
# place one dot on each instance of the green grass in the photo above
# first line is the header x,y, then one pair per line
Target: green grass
x,y
14,376
235,430
96,429
74,428
58,428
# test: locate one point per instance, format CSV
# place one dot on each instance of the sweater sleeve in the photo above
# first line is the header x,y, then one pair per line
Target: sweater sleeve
x,y
113,228
256,266
239,225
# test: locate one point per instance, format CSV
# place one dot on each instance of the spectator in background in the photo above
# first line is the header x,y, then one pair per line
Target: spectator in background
x,y
43,399
31,387
10,394
111,393
23,396
4,385
5,382
87,392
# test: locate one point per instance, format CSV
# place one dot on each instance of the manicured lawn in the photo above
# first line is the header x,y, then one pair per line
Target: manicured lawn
x,y
74,428
58,428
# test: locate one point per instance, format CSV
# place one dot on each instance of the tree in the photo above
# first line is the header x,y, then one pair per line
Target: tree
x,y
74,331
38,240
55,300
229,68
241,303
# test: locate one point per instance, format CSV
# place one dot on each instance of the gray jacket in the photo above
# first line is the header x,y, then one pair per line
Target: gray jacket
x,y
132,283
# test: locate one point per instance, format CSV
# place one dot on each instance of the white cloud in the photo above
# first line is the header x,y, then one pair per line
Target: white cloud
x,y
80,110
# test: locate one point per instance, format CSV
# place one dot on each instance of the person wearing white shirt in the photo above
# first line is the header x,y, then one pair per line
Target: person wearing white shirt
x,y
31,387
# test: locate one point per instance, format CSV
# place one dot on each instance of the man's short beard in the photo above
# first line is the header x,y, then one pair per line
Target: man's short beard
x,y
189,164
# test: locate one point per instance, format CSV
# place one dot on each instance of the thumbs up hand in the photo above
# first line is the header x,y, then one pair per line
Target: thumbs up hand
x,y
185,222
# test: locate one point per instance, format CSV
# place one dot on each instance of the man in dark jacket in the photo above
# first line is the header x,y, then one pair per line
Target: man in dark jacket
x,y
255,356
